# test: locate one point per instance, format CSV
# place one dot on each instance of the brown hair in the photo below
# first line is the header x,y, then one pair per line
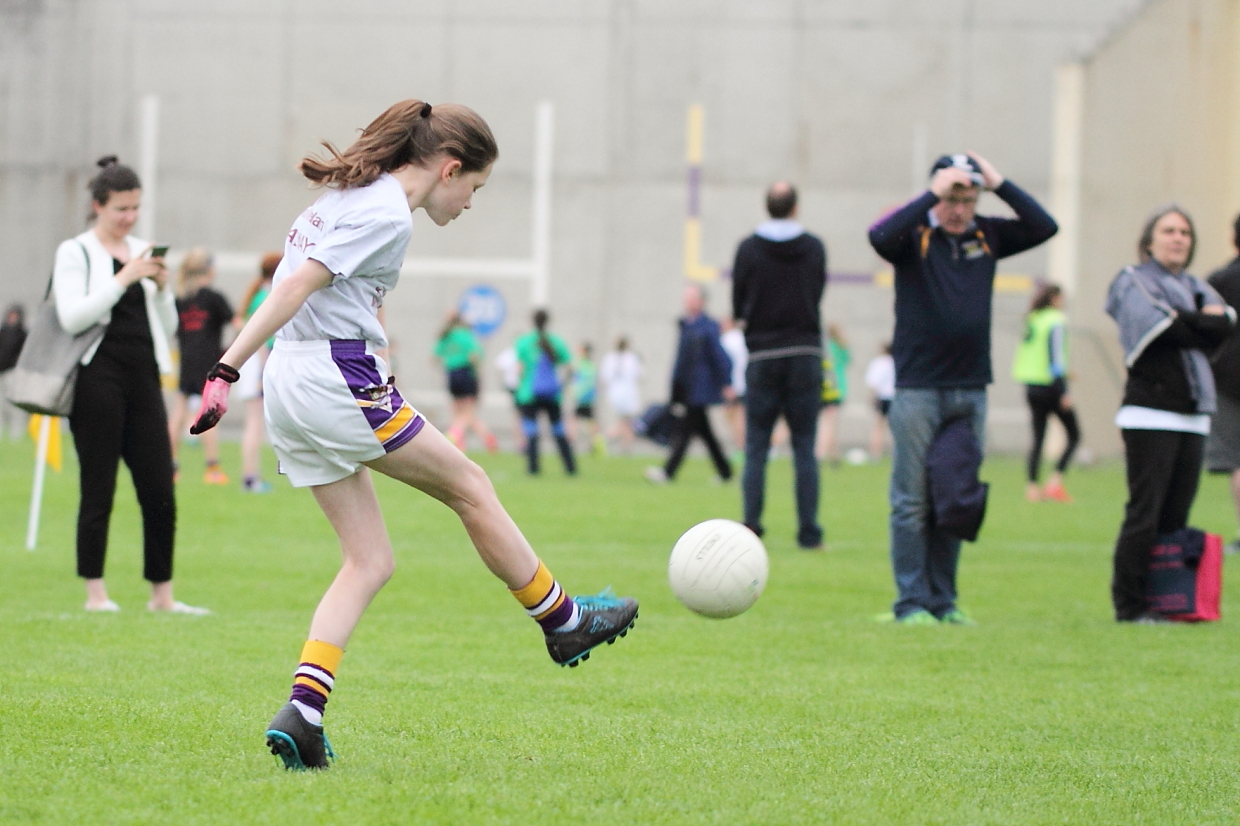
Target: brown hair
x,y
113,176
196,263
1045,296
409,132
266,270
1147,232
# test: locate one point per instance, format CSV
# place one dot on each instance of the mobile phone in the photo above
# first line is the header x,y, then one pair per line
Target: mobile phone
x,y
159,252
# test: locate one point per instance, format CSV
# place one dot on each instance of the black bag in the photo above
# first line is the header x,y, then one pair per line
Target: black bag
x,y
957,495
45,376
656,424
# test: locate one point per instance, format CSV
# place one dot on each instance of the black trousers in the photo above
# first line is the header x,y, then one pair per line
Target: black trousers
x,y
118,413
695,422
1164,467
1045,400
529,424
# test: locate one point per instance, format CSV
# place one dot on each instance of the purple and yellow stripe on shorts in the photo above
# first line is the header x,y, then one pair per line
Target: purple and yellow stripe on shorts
x,y
388,414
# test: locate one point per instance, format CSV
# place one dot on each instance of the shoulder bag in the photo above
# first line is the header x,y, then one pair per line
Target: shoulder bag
x,y
45,376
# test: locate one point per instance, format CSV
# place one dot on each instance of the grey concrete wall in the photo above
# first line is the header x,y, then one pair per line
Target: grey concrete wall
x,y
827,93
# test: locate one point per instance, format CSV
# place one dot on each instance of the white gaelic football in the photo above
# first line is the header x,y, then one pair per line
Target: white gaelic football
x,y
718,568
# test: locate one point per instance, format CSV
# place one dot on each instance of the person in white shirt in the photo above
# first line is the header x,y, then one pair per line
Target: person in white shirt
x,y
509,367
733,341
334,412
880,377
621,371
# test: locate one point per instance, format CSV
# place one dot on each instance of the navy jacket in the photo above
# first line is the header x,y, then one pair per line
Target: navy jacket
x,y
944,285
703,367
776,289
957,496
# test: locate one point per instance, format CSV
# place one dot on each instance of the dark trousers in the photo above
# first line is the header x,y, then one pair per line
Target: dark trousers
x,y
1164,467
118,413
1045,401
695,422
791,387
529,426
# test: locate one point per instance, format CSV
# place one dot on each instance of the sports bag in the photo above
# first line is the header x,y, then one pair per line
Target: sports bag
x,y
45,376
1185,577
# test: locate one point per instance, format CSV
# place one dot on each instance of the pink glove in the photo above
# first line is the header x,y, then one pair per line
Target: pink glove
x,y
215,397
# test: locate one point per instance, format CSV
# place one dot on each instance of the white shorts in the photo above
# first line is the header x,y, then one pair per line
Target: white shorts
x,y
330,408
624,399
250,385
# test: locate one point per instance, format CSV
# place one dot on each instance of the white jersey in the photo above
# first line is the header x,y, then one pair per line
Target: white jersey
x,y
360,234
620,371
880,376
733,342
509,367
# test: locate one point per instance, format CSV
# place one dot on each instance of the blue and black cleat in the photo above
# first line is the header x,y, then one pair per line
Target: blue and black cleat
x,y
298,742
605,618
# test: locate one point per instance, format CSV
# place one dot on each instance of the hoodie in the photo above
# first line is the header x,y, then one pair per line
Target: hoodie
x,y
778,281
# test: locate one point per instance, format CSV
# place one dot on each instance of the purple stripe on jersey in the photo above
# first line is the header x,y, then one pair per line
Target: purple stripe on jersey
x,y
310,697
559,616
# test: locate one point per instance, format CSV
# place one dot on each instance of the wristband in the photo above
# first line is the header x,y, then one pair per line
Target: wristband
x,y
223,371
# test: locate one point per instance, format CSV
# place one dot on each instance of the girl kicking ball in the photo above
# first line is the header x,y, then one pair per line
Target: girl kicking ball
x,y
334,413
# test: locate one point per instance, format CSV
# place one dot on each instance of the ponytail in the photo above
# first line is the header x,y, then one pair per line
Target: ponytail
x,y
540,324
409,132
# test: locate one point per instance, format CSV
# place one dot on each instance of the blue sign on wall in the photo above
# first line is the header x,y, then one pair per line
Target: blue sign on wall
x,y
483,308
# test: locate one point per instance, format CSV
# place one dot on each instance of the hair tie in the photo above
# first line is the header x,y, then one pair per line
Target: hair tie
x,y
426,110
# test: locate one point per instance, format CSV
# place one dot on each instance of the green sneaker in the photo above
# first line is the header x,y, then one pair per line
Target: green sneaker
x,y
604,619
300,744
915,618
956,617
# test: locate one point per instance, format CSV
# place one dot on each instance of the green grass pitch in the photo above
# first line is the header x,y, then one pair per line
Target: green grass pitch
x,y
448,711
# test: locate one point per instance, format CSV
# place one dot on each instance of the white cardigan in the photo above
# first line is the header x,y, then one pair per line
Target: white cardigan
x,y
80,305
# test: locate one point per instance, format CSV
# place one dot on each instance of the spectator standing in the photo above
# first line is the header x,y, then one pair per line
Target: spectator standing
x,y
621,371
12,337
460,352
701,377
944,257
202,314
542,354
733,341
585,388
1167,321
106,276
509,367
1041,364
1223,445
249,387
834,394
880,377
778,280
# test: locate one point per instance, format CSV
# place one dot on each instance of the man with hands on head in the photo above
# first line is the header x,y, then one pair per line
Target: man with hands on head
x,y
944,256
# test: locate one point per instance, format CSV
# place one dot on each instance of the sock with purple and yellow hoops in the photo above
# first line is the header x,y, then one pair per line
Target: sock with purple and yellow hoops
x,y
546,602
315,676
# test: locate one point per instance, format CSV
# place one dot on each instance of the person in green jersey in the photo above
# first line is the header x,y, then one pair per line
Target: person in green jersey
x,y
585,386
541,355
836,358
460,351
1041,365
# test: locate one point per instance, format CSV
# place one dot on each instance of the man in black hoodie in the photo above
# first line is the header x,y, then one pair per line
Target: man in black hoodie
x,y
777,284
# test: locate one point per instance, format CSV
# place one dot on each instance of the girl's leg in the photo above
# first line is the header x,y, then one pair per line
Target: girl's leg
x,y
456,430
252,441
478,426
175,422
352,508
211,452
429,463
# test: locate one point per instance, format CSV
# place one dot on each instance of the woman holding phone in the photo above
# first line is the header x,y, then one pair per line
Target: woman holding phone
x,y
106,276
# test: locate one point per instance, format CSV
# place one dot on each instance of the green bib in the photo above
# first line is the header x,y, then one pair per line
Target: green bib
x,y
1032,364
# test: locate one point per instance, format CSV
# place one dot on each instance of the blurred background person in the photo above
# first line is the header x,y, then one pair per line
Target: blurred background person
x,y
1223,445
542,355
836,358
509,367
778,279
733,341
1167,321
1041,364
701,377
621,372
12,337
585,387
202,314
459,350
880,377
106,276
249,388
